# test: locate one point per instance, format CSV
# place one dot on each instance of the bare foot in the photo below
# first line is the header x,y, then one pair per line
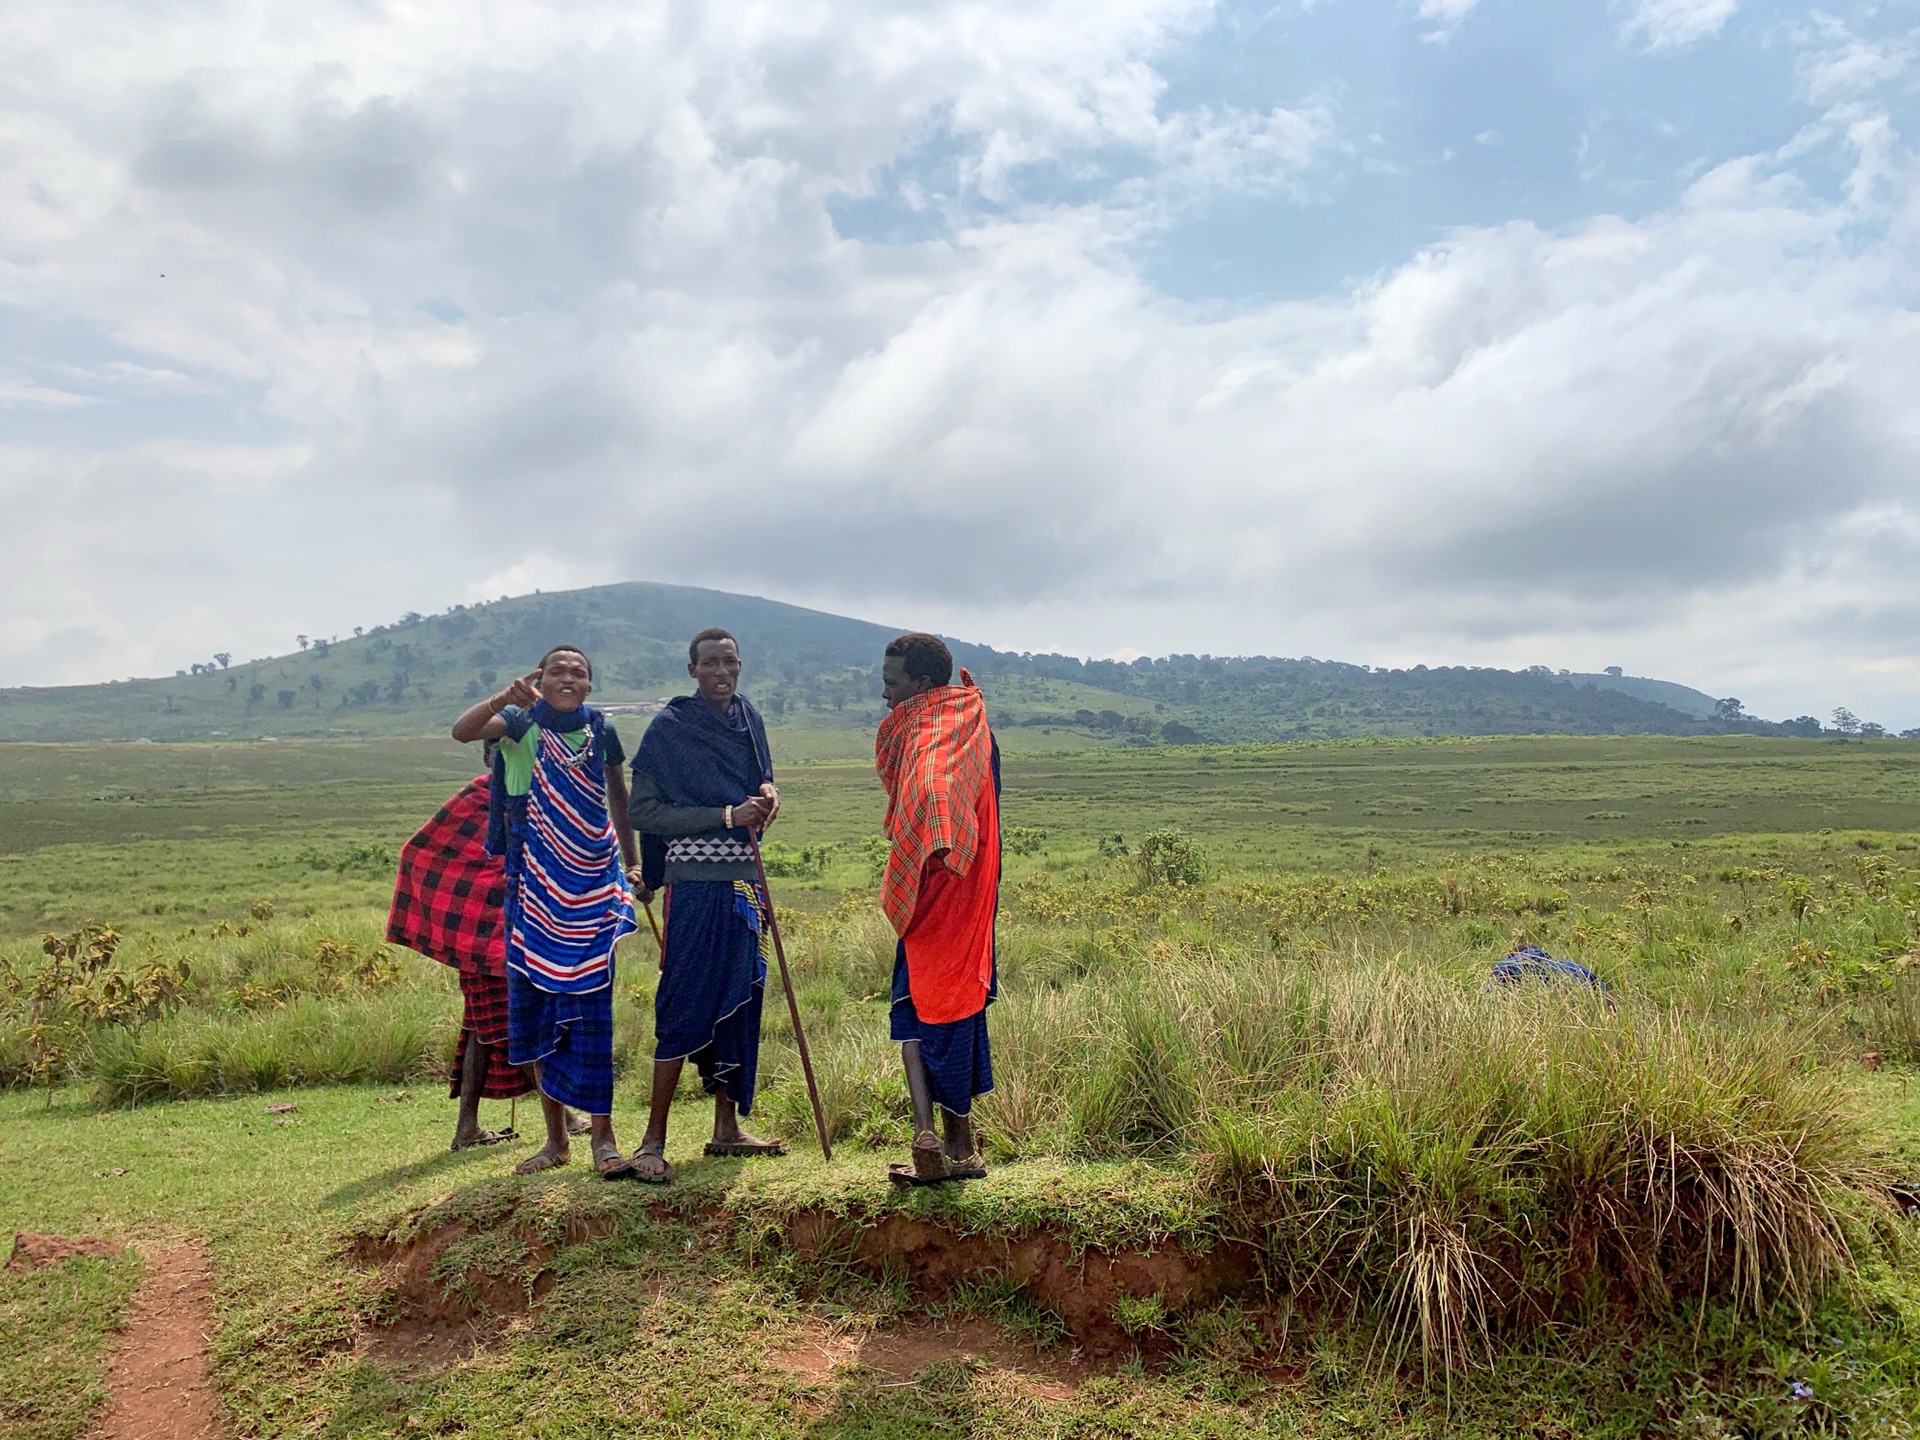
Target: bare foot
x,y
545,1158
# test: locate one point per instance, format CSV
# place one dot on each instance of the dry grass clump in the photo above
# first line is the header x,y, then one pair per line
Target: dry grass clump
x,y
1401,1143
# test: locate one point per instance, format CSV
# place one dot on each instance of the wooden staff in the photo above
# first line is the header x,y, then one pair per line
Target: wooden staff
x,y
793,1005
654,924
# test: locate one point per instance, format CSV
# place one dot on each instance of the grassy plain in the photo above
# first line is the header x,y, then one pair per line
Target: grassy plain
x,y
1173,1062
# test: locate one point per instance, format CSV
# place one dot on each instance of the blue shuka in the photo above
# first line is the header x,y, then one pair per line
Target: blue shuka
x,y
1530,962
713,975
567,908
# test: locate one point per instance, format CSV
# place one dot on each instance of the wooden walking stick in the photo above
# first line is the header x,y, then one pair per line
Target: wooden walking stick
x,y
793,1005
655,926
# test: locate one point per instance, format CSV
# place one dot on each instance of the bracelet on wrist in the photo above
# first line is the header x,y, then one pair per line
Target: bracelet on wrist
x,y
726,817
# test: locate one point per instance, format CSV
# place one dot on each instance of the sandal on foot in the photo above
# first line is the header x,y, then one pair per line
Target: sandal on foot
x,y
929,1159
650,1152
483,1137
907,1175
732,1148
613,1166
540,1161
974,1167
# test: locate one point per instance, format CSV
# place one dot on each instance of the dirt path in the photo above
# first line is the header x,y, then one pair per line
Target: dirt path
x,y
158,1389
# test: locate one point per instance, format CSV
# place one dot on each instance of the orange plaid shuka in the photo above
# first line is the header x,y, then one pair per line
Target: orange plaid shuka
x,y
935,755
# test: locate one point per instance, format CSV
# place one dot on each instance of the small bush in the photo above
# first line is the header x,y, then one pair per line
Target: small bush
x,y
807,863
372,860
1023,839
1170,857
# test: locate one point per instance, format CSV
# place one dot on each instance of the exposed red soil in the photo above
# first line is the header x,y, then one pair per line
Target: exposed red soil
x,y
1081,1289
436,1320
465,1302
158,1388
36,1252
903,1350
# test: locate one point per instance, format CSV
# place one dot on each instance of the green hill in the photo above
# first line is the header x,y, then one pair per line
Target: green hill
x,y
815,672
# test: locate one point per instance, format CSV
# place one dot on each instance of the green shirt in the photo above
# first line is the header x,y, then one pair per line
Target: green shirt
x,y
517,752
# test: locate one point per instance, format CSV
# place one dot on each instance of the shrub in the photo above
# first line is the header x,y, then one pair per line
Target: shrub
x,y
807,863
1023,839
1170,857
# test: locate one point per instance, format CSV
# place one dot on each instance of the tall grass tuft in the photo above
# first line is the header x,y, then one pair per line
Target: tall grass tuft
x,y
397,1037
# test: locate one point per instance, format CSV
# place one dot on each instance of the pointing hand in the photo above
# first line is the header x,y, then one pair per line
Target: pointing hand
x,y
521,692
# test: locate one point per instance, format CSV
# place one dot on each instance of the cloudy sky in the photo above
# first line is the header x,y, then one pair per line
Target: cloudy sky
x,y
1571,332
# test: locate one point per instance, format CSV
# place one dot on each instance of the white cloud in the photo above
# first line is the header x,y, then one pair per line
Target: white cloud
x,y
548,297
1448,13
1836,63
1666,25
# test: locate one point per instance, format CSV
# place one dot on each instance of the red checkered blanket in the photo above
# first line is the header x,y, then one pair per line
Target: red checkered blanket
x,y
449,898
483,1000
935,757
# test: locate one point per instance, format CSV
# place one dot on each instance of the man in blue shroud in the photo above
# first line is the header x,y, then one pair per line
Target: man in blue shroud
x,y
702,785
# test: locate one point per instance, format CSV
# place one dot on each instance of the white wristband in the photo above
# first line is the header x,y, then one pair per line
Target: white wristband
x,y
726,817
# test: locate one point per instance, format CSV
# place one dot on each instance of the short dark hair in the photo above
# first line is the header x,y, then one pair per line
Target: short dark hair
x,y
926,657
715,633
568,650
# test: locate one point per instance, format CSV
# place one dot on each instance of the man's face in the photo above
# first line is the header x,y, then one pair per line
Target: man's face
x,y
716,670
565,683
896,685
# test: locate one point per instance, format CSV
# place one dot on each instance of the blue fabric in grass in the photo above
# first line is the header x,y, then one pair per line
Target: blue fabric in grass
x,y
712,984
1530,962
958,1055
572,1038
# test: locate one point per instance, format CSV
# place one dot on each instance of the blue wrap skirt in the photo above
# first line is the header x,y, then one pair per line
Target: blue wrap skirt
x,y
958,1056
712,983
570,1035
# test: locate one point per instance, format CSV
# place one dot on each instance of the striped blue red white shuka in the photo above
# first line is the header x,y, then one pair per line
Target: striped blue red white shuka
x,y
569,906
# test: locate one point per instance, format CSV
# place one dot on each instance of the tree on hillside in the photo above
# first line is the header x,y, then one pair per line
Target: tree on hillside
x,y
303,641
1614,670
320,648
1728,709
256,692
224,657
286,698
1846,722
1870,730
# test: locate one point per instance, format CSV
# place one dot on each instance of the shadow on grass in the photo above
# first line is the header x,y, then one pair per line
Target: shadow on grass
x,y
939,1401
355,1191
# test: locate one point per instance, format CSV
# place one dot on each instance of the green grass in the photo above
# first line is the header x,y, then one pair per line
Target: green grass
x,y
669,1323
55,1325
1296,1053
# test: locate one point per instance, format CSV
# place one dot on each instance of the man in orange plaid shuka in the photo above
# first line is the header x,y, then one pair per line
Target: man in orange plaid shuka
x,y
941,768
